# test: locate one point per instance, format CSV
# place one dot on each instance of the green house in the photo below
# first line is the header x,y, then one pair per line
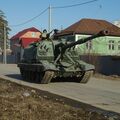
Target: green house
x,y
104,52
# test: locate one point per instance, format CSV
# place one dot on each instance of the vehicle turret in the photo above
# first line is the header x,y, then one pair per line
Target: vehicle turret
x,y
61,47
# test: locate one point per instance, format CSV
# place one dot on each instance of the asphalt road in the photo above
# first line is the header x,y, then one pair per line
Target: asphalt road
x,y
98,92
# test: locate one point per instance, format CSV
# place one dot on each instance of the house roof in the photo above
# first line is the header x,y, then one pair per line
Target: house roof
x,y
91,26
19,34
26,41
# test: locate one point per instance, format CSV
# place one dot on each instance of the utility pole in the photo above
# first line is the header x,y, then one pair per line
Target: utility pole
x,y
4,52
49,19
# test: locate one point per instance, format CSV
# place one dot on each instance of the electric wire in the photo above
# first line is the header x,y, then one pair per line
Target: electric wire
x,y
68,6
56,7
30,19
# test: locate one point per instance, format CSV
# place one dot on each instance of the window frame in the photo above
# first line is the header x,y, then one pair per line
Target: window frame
x,y
111,45
33,34
118,45
89,45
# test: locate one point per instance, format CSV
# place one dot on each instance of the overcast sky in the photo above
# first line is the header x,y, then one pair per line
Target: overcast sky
x,y
20,11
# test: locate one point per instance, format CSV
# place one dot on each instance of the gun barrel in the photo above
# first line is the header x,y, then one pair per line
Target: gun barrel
x,y
83,40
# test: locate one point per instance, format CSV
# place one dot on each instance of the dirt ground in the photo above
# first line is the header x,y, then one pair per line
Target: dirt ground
x,y
22,103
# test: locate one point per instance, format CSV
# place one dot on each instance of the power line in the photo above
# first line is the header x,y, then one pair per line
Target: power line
x,y
68,6
30,19
57,7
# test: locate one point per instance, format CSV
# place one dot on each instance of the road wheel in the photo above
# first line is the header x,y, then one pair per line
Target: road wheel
x,y
86,76
48,75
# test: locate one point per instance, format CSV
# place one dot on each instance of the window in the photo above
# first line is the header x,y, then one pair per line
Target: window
x,y
89,45
118,45
111,45
33,34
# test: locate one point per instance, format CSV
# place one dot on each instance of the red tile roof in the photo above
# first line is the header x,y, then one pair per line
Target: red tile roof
x,y
19,34
91,26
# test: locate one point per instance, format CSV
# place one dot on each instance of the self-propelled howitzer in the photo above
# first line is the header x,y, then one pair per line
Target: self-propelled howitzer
x,y
53,59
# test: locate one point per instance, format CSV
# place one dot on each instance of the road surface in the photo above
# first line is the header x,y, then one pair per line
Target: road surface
x,y
97,92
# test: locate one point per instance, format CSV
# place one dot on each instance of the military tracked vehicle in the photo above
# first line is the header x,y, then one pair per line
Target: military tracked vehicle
x,y
54,59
